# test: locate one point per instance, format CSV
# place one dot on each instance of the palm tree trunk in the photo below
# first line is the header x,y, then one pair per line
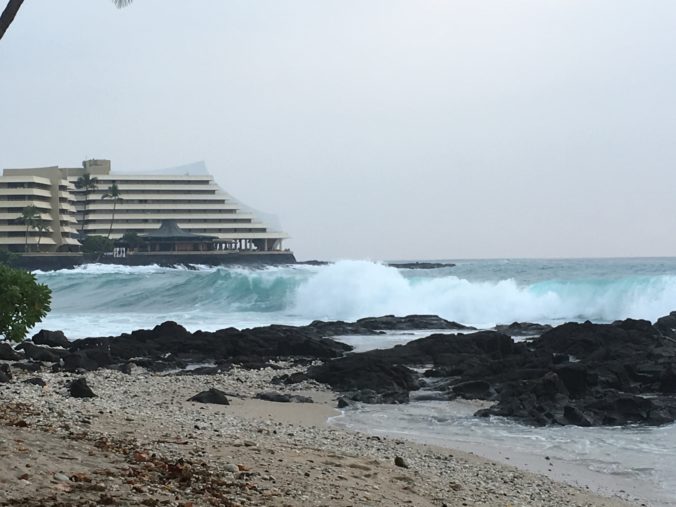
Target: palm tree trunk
x,y
8,15
39,239
112,219
25,246
84,216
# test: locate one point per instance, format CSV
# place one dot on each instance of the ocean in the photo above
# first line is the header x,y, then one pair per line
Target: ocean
x,y
102,300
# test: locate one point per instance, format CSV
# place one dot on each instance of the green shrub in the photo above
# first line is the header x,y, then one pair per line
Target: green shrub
x,y
97,244
23,302
131,239
7,257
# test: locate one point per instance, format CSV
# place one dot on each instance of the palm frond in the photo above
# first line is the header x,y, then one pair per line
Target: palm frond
x,y
121,3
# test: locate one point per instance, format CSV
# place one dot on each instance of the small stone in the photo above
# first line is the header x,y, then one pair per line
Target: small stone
x,y
61,477
400,462
80,389
232,468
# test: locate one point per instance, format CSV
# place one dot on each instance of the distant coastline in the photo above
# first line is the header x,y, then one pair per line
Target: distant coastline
x,y
398,265
53,261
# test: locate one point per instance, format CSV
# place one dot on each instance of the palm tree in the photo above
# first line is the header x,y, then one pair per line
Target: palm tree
x,y
29,217
42,227
13,7
88,183
8,15
114,194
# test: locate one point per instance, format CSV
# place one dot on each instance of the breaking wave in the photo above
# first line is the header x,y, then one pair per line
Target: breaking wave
x,y
353,289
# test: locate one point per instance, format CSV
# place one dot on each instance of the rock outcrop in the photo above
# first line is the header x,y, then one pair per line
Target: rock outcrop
x,y
409,323
577,373
51,339
522,329
170,345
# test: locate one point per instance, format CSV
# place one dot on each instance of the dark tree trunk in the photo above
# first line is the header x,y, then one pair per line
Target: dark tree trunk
x,y
8,15
112,220
84,216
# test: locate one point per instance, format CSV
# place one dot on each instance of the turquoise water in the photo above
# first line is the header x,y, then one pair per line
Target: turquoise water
x,y
114,299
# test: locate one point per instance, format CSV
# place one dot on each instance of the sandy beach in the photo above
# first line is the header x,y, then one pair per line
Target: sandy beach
x,y
139,442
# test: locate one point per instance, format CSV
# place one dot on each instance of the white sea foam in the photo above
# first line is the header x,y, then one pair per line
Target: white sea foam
x,y
354,289
106,269
347,290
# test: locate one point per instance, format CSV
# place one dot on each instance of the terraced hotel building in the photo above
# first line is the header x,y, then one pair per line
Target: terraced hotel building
x,y
188,195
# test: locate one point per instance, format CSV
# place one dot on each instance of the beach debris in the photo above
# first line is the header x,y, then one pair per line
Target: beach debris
x,y
212,396
80,389
80,477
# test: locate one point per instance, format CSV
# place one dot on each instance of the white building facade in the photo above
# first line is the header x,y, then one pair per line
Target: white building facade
x,y
188,195
52,196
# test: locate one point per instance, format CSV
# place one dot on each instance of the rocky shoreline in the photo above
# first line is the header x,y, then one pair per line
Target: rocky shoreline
x,y
119,396
581,374
139,441
577,373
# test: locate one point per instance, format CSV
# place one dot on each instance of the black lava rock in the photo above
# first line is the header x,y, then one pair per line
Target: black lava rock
x,y
79,389
28,366
51,339
5,374
40,353
283,398
7,352
213,396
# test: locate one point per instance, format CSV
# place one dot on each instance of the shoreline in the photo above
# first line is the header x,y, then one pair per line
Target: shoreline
x,y
48,261
284,453
632,490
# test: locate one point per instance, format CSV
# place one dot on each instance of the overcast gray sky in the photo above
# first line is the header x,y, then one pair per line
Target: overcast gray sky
x,y
373,129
